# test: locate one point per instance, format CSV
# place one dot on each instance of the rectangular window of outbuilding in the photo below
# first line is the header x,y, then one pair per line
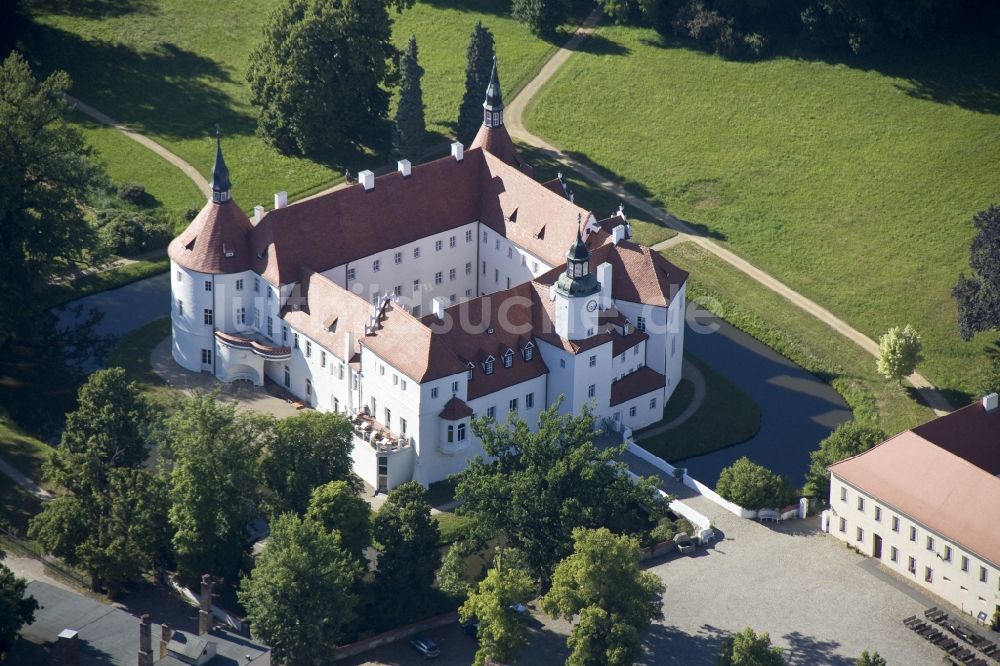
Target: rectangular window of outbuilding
x,y
947,554
893,554
930,543
983,575
652,403
861,503
529,401
491,412
895,523
860,534
513,405
631,410
843,494
913,533
965,564
911,565
843,525
309,349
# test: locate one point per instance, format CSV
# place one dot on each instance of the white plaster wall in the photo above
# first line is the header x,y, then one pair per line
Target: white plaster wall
x,y
190,333
962,589
501,260
628,361
644,416
367,281
560,364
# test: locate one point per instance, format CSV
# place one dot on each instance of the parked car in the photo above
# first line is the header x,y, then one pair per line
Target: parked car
x,y
425,646
684,543
471,628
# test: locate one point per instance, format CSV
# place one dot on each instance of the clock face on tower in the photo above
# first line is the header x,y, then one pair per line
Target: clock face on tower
x,y
591,305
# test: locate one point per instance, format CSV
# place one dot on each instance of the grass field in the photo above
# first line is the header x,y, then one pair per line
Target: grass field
x,y
800,337
132,353
853,182
174,69
705,432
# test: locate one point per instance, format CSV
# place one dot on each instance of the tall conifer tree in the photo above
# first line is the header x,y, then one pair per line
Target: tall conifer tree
x,y
410,128
477,77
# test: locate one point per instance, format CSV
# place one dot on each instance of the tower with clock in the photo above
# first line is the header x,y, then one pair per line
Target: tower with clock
x,y
576,295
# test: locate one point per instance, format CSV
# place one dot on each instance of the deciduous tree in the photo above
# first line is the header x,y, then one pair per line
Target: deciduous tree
x,y
978,296
321,74
873,659
16,609
311,449
408,554
45,175
748,648
501,634
213,483
615,600
109,429
479,64
898,352
849,439
338,507
451,578
538,486
409,128
542,16
299,595
752,486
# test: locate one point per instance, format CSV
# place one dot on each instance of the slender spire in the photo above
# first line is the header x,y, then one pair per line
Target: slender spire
x,y
493,105
221,187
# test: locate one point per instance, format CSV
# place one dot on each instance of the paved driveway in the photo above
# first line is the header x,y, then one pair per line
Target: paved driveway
x,y
126,308
797,409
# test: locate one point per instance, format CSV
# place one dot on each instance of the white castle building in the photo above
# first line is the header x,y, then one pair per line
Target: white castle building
x,y
416,300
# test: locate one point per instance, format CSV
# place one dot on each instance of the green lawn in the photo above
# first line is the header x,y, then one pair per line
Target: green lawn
x,y
174,69
132,353
853,182
798,336
57,294
21,450
127,161
705,432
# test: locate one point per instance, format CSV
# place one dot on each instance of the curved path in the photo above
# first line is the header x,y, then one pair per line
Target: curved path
x,y
144,141
514,120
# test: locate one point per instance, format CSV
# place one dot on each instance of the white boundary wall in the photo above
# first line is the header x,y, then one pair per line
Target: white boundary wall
x,y
690,482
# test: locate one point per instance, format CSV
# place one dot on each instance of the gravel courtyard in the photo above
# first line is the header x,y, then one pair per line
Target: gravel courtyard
x,y
808,591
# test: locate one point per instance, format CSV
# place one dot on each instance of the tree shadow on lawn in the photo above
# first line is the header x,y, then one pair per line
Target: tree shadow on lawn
x,y
958,67
168,91
598,44
93,9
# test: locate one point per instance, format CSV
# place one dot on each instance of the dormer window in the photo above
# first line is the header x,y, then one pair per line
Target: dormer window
x,y
508,358
529,351
471,367
488,365
627,328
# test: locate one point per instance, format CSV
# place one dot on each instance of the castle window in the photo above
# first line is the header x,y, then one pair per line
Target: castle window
x,y
513,405
591,390
416,310
180,307
309,387
510,252
399,257
376,265
434,393
631,410
452,298
284,334
529,401
398,290
534,266
593,361
451,242
416,286
208,285
590,332
322,359
295,340
451,434
388,418
416,252
309,349
508,358
468,268
402,385
180,276
438,278
461,432
209,317
256,318
270,327
351,273
454,388
451,274
241,315
239,285
206,357
256,285
395,379
635,350
402,426
438,245
468,236
640,323
491,412
652,403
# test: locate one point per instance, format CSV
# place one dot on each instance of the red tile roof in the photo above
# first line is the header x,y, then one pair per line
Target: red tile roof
x,y
326,312
455,410
971,433
932,486
639,383
217,240
497,141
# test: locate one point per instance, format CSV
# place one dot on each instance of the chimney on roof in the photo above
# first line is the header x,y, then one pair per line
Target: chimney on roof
x,y
205,607
68,648
437,307
145,642
367,179
280,199
166,633
618,234
458,151
258,214
404,167
990,402
604,278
